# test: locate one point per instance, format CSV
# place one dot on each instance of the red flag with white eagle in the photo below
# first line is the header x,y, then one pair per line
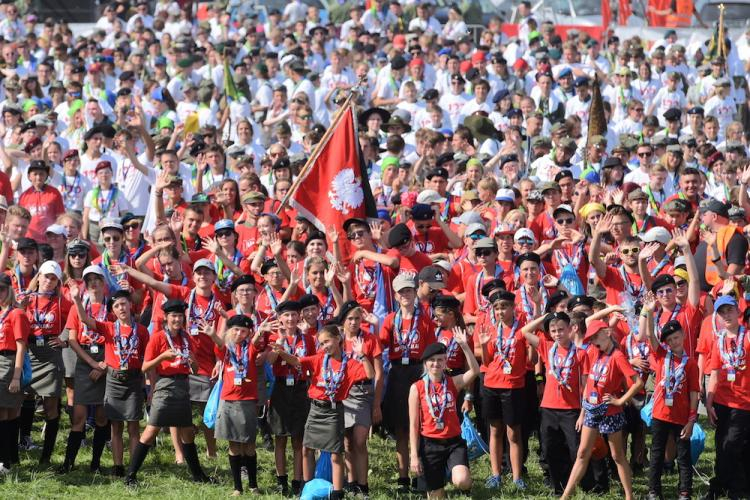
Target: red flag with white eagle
x,y
334,185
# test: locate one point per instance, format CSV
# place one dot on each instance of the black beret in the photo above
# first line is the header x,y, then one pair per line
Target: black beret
x,y
282,163
174,306
245,279
580,300
91,133
502,295
268,265
30,125
554,317
422,212
240,320
438,172
27,244
398,62
38,165
672,114
441,160
661,281
119,294
398,235
346,308
671,327
446,301
355,220
433,350
531,256
288,306
308,300
555,298
494,284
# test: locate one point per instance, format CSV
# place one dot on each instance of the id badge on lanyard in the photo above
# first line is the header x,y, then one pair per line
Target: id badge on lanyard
x,y
94,349
40,340
289,380
594,398
731,375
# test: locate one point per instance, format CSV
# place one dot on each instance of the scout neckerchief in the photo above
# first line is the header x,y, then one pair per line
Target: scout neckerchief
x,y
194,315
436,403
672,377
239,362
100,204
326,311
20,280
628,285
599,370
643,227
225,277
663,262
733,359
91,334
658,314
503,346
526,302
405,341
70,193
332,380
451,346
184,351
105,264
139,250
366,280
271,296
563,258
124,349
561,371
482,302
632,345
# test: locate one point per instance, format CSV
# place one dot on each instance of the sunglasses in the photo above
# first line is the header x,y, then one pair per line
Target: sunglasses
x,y
112,239
565,221
484,252
525,241
665,291
132,226
304,117
629,251
77,255
224,234
355,234
477,236
646,155
638,110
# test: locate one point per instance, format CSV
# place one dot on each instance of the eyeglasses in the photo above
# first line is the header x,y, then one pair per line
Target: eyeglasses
x,y
274,273
132,226
477,236
565,221
244,291
646,155
630,251
665,291
484,252
304,117
680,283
224,234
355,234
112,239
525,241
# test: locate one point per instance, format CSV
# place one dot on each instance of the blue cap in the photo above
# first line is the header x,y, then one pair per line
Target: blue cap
x,y
513,112
724,300
581,80
500,95
445,51
156,94
565,72
446,131
696,110
224,224
591,175
160,61
383,214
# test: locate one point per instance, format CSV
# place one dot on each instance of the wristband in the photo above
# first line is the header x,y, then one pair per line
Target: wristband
x,y
468,397
361,357
539,378
693,415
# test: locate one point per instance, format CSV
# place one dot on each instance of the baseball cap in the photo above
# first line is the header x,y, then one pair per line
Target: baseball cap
x,y
430,196
656,234
433,276
403,281
203,263
724,300
57,229
522,233
51,267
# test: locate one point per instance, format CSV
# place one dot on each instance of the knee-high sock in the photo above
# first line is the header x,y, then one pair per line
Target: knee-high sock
x,y
235,464
74,444
97,446
139,456
251,464
50,437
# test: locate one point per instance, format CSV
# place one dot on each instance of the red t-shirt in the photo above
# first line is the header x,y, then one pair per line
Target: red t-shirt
x,y
235,387
159,343
433,241
390,338
686,316
354,372
543,227
636,350
577,255
47,314
507,366
614,284
6,189
135,359
460,271
451,426
83,335
45,206
556,395
298,345
734,394
706,343
607,374
365,281
370,346
474,300
410,265
14,326
455,355
679,411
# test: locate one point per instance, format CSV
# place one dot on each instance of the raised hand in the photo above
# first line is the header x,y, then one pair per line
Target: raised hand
x,y
460,335
484,336
294,278
206,327
605,224
212,245
333,234
648,251
175,222
649,302
358,345
679,238
74,289
342,273
550,281
370,318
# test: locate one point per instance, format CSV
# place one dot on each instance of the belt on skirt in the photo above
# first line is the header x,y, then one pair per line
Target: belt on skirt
x,y
444,441
324,404
7,352
397,362
177,376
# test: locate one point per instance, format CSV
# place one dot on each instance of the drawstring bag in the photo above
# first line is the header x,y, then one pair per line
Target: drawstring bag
x,y
570,281
317,489
647,412
474,442
697,443
212,405
26,370
323,467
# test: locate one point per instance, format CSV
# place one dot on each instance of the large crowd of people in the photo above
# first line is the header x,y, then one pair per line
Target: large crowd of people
x,y
545,280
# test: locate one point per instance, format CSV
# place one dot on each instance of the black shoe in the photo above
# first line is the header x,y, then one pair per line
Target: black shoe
x,y
203,478
404,486
131,481
118,471
63,469
96,468
282,489
297,486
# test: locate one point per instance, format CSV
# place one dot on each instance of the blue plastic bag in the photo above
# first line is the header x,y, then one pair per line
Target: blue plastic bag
x,y
26,370
323,467
474,442
570,281
212,405
317,489
647,412
697,443
270,378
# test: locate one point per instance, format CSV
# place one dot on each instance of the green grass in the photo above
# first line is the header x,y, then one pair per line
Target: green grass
x,y
161,478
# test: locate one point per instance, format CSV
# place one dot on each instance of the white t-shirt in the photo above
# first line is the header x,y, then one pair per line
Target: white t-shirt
x,y
88,165
134,184
73,191
109,205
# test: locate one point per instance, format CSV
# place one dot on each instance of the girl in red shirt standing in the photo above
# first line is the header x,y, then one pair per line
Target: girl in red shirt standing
x,y
333,374
14,331
236,420
435,431
602,411
169,355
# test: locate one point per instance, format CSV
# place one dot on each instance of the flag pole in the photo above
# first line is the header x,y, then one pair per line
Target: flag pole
x,y
318,148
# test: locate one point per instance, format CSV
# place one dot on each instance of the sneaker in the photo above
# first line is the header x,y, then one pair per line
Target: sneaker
x,y
243,473
4,470
520,484
493,482
27,444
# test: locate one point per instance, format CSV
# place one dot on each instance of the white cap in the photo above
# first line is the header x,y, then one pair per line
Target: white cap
x,y
656,234
524,232
403,281
51,267
93,269
110,224
429,196
443,264
287,59
203,263
505,195
467,218
57,229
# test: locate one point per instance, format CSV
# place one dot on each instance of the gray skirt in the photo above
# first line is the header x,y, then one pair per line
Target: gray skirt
x,y
288,409
237,421
324,429
260,375
70,361
85,390
170,403
200,388
47,369
358,406
7,367
123,396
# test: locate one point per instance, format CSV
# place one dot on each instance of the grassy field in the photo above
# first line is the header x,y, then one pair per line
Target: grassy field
x,y
161,478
